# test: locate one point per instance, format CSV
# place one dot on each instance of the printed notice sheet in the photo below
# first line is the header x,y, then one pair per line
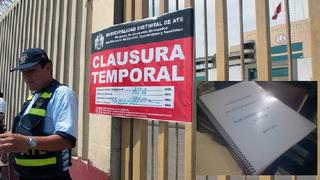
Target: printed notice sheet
x,y
160,96
261,126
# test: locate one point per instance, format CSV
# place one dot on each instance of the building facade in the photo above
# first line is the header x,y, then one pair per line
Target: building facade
x,y
301,55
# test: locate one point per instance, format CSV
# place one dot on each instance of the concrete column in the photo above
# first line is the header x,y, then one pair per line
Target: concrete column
x,y
263,40
190,129
222,53
315,50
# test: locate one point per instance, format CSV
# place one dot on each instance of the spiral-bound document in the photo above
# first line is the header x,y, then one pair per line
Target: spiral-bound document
x,y
256,126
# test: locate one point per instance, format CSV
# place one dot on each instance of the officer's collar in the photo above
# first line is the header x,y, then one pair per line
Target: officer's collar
x,y
52,83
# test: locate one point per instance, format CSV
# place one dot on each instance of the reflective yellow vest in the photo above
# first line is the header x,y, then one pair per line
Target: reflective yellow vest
x,y
34,163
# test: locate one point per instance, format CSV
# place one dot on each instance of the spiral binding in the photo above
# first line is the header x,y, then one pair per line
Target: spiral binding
x,y
241,159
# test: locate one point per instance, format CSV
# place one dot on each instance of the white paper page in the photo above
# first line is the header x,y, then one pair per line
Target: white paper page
x,y
259,124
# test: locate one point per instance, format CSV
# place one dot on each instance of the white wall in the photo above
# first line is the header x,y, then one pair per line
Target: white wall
x,y
304,68
234,74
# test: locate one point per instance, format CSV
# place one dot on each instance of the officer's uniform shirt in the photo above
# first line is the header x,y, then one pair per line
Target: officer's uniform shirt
x,y
2,105
61,117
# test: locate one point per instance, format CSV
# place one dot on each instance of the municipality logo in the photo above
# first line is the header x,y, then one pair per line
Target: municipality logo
x,y
99,41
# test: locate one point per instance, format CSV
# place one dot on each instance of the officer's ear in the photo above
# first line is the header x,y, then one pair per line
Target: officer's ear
x,y
49,67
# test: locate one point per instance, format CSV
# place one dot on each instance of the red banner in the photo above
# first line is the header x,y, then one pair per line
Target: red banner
x,y
148,77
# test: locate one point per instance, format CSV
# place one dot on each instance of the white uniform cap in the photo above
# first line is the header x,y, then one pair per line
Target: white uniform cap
x,y
2,105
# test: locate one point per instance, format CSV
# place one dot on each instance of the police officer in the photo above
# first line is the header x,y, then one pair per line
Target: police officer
x,y
4,159
44,132
2,113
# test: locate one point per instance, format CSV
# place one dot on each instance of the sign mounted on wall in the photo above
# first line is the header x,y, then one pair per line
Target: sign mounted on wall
x,y
281,39
144,69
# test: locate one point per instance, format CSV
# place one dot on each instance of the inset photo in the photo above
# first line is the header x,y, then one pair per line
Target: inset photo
x,y
257,128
